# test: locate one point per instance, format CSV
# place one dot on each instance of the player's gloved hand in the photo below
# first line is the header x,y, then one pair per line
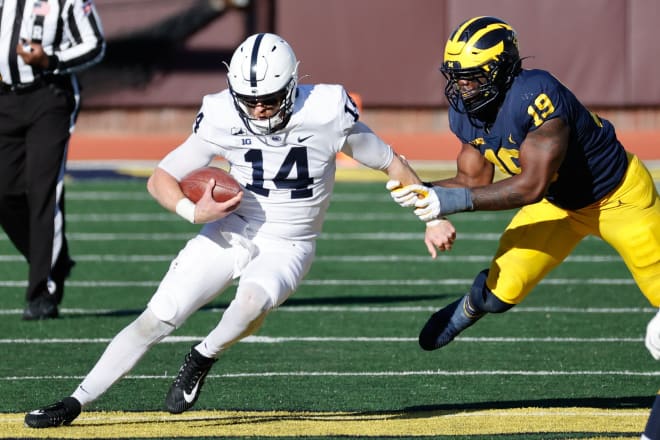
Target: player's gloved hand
x,y
406,196
428,207
440,201
652,340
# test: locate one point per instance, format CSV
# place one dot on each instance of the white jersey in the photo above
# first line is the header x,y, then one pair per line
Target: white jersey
x,y
288,176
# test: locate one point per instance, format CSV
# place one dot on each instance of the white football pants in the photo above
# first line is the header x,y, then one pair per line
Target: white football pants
x,y
269,269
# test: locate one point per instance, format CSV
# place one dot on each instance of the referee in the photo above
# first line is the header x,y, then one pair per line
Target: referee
x,y
42,44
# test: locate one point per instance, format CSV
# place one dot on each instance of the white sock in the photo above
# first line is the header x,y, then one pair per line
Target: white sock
x,y
121,355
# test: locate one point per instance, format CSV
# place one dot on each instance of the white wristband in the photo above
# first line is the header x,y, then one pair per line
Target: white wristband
x,y
186,209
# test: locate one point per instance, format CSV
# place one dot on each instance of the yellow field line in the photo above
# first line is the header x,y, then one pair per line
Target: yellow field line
x,y
236,424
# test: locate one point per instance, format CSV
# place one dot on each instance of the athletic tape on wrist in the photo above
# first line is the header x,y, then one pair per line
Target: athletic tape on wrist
x,y
453,199
186,209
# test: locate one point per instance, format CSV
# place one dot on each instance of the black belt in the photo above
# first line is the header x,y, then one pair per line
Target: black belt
x,y
20,88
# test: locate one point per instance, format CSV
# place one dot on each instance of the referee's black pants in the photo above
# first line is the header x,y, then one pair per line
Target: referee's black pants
x,y
34,135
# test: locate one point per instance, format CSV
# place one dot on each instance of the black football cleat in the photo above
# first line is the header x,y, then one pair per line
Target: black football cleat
x,y
188,383
445,324
439,330
59,413
43,307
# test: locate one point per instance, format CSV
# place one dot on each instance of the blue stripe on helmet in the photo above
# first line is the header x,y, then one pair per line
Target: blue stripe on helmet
x,y
253,60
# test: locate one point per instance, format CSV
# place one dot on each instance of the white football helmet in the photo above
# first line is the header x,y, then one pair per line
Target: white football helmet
x,y
263,70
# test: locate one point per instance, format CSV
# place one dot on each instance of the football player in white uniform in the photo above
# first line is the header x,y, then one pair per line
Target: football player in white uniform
x,y
281,140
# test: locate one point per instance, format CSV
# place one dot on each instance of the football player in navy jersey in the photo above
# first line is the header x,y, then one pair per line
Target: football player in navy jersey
x,y
568,174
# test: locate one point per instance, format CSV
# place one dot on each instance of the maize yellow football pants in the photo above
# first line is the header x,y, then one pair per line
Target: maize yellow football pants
x,y
541,236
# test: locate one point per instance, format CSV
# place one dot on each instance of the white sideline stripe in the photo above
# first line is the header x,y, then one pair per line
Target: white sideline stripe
x,y
283,340
114,258
416,282
395,309
371,374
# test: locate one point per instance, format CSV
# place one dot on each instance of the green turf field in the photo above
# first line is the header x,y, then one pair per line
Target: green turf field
x,y
340,359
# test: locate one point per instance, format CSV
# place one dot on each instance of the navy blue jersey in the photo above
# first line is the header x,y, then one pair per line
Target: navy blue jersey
x,y
595,161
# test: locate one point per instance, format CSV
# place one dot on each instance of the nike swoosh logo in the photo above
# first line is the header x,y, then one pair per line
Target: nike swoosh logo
x,y
304,138
190,397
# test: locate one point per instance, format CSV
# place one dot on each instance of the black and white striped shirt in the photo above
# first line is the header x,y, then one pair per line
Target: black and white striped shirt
x,y
69,31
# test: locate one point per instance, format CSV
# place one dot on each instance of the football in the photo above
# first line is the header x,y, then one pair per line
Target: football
x,y
194,183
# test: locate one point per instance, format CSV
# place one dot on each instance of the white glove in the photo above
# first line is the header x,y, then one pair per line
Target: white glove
x,y
652,340
428,207
406,196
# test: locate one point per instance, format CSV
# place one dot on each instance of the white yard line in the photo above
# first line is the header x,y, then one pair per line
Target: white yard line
x,y
381,282
506,373
325,339
118,258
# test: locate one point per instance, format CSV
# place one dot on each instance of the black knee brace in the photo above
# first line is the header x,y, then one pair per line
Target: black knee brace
x,y
482,299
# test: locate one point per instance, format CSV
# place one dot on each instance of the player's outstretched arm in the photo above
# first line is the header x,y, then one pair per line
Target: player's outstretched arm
x,y
440,233
367,148
400,170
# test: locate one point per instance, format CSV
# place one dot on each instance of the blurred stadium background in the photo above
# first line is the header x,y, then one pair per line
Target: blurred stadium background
x,y
164,55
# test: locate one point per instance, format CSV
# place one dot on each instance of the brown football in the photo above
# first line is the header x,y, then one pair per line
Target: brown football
x,y
194,183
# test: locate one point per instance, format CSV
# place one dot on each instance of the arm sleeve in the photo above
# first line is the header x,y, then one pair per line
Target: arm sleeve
x,y
84,44
366,147
193,153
